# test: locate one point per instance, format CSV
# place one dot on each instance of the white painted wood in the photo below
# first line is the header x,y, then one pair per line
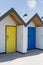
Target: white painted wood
x,y
25,39
3,23
20,38
31,24
39,37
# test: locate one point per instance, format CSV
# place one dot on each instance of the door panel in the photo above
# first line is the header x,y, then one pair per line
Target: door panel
x,y
31,38
10,39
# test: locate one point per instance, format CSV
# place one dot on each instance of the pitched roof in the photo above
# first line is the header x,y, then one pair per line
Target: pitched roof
x,y
35,19
10,12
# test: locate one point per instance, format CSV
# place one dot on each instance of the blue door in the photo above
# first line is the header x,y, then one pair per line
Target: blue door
x,y
31,38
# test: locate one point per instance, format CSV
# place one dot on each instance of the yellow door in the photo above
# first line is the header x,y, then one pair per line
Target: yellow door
x,y
10,39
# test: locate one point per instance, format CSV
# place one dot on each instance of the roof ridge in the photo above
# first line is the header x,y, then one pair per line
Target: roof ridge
x,y
12,10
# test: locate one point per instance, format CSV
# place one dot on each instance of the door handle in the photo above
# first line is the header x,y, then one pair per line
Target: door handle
x,y
7,37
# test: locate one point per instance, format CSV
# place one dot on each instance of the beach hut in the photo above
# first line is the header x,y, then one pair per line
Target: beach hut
x,y
39,37
32,25
15,34
12,36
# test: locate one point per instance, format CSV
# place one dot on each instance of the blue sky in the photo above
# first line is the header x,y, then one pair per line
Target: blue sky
x,y
22,6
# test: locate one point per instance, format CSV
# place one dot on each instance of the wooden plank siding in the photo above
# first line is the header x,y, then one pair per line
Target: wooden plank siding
x,y
17,20
37,22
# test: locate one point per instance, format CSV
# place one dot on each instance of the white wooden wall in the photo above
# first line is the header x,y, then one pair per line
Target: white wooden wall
x,y
31,24
24,39
39,37
21,39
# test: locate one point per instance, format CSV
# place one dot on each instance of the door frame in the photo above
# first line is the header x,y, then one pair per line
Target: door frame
x,y
35,36
6,34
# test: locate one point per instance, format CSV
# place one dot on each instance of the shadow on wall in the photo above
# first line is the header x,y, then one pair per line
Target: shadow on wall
x,y
13,56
